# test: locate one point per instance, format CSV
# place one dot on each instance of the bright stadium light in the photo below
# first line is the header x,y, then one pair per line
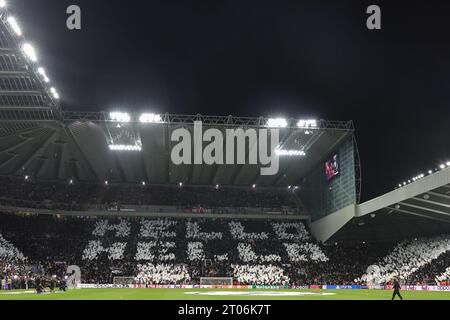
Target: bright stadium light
x,y
14,25
448,164
29,52
442,166
54,93
307,124
150,118
277,123
42,72
144,183
122,117
125,147
2,3
290,153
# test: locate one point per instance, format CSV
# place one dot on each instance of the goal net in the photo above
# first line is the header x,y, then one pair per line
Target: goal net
x,y
216,281
124,280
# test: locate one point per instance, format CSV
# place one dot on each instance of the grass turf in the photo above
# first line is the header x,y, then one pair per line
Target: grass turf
x,y
180,294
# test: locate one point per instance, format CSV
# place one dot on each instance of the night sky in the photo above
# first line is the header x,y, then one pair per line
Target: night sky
x,y
296,59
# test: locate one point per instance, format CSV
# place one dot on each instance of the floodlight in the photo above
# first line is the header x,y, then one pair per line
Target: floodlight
x,y
277,123
14,25
29,52
54,93
42,72
290,153
124,147
2,3
120,117
307,124
150,118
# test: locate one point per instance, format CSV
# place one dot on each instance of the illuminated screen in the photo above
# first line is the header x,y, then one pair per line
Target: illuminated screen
x,y
332,167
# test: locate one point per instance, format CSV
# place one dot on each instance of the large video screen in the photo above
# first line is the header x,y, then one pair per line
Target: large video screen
x,y
332,167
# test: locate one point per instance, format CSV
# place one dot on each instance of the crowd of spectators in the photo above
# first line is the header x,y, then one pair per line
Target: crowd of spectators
x,y
162,274
75,196
407,259
29,193
444,278
256,274
179,251
436,272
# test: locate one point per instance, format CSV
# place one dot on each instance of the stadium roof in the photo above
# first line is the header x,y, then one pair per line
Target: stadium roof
x,y
23,81
78,146
421,208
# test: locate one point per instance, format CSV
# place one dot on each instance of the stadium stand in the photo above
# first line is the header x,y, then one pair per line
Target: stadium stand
x,y
438,270
407,258
105,248
180,251
445,277
29,193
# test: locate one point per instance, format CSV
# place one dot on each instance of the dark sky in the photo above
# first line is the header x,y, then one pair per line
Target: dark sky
x,y
263,58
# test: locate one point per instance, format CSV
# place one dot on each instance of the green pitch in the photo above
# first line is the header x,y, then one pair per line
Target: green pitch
x,y
216,294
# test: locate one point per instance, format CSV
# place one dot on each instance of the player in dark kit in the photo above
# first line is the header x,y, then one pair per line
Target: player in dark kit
x,y
397,288
63,284
39,286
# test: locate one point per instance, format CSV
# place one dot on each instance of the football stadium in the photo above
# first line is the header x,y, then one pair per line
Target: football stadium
x,y
122,205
